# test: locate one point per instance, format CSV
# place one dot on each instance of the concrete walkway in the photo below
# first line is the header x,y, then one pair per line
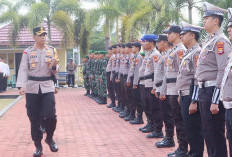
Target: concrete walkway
x,y
84,129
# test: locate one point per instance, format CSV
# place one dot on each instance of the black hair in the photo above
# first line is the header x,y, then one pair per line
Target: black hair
x,y
220,18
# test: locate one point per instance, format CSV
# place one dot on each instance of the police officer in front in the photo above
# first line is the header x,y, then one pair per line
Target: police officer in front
x,y
209,73
185,85
227,86
38,65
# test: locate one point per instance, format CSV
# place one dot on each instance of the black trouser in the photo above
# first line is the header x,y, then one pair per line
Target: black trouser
x,y
71,80
1,82
180,130
213,125
122,93
136,101
41,106
153,109
193,127
128,93
110,88
167,117
116,87
229,128
4,83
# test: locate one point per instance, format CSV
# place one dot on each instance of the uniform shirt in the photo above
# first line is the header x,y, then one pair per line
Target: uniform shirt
x,y
136,64
114,59
109,64
126,64
151,63
71,68
121,63
227,81
7,69
117,62
159,71
172,67
131,70
212,59
2,70
142,68
187,68
37,63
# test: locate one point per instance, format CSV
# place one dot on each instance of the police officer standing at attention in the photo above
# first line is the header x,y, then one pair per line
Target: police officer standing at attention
x,y
71,67
1,75
227,86
38,64
185,85
172,67
210,70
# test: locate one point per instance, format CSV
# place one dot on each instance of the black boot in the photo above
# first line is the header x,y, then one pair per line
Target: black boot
x,y
131,116
124,113
137,120
166,142
117,107
155,134
50,124
140,129
39,149
149,128
98,100
103,101
87,93
179,153
111,105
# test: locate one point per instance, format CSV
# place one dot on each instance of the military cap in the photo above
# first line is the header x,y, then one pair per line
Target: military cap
x,y
114,46
102,52
186,27
86,56
230,16
96,52
129,45
91,51
142,53
173,28
122,45
162,37
149,37
210,10
39,31
136,44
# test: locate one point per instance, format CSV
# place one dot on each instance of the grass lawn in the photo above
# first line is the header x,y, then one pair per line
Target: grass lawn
x,y
5,102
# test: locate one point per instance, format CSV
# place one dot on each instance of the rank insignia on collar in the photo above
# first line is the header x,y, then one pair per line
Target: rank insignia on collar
x,y
220,48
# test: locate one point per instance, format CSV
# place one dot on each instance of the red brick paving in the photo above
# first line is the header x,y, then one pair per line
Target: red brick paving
x,y
84,129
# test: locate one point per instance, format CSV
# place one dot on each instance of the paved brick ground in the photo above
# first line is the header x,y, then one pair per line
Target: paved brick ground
x,y
84,129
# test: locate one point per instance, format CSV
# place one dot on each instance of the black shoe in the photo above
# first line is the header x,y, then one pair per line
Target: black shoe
x,y
124,113
148,129
86,94
52,145
140,129
111,105
166,142
103,101
155,134
131,116
179,153
137,121
119,109
38,152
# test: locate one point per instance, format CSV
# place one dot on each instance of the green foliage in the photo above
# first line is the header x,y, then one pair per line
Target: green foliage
x,y
97,41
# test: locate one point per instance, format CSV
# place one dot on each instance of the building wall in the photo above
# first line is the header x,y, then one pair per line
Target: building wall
x,y
62,59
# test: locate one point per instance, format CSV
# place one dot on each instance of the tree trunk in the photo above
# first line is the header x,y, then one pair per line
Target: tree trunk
x,y
49,30
190,7
117,31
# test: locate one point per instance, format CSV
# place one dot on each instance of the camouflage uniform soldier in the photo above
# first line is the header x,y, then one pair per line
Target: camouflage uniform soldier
x,y
91,60
103,78
86,69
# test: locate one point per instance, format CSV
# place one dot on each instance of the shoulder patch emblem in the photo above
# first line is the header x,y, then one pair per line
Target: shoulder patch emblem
x,y
196,60
180,54
220,48
155,57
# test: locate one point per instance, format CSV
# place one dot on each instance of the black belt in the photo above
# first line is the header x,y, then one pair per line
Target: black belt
x,y
158,84
151,76
171,80
39,78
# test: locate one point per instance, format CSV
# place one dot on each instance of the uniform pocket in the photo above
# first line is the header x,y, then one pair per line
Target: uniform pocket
x,y
33,62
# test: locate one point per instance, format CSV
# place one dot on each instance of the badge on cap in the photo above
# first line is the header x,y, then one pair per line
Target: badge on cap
x,y
220,48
